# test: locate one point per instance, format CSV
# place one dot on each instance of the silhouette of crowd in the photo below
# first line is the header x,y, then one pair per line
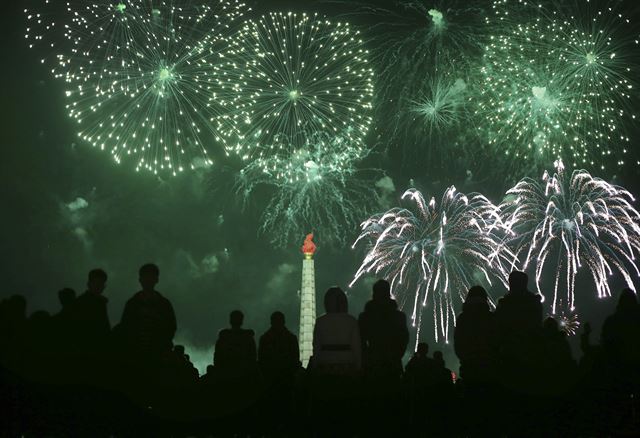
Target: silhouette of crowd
x,y
73,374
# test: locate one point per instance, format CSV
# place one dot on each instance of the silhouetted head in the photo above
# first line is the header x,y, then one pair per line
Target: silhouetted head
x,y
210,369
518,281
438,358
17,307
476,294
179,350
423,349
550,325
381,290
66,296
628,302
236,318
97,281
335,301
277,320
149,275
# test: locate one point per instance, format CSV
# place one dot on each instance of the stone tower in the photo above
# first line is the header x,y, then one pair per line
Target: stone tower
x,y
307,301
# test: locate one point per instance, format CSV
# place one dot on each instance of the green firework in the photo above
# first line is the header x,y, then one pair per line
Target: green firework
x,y
139,79
557,85
289,77
318,188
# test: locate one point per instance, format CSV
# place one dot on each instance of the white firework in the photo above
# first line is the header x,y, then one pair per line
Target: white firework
x,y
569,223
433,252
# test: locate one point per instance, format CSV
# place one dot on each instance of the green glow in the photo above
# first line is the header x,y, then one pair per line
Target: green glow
x,y
542,98
591,58
120,7
437,18
293,95
165,74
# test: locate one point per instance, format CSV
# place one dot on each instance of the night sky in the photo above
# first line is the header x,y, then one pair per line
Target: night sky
x,y
67,208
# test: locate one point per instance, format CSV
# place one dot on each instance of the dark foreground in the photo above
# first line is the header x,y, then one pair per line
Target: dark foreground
x,y
72,374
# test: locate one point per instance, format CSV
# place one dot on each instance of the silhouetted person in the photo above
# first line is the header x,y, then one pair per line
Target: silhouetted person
x,y
519,312
63,332
13,326
621,338
334,367
591,362
419,376
475,344
442,395
66,297
384,333
181,367
443,374
235,352
40,340
420,367
278,353
179,350
585,340
148,321
236,370
474,338
279,359
91,326
519,322
90,310
592,391
556,344
556,362
64,318
336,337
208,378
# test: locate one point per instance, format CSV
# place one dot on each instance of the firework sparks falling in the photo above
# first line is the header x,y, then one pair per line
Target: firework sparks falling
x,y
574,222
317,188
432,252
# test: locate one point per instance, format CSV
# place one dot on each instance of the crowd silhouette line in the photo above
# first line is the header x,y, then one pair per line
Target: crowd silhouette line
x,y
73,374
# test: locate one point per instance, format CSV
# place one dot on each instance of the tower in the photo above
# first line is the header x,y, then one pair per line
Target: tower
x,y
307,301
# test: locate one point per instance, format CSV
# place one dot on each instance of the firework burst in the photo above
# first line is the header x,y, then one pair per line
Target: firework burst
x,y
288,77
430,46
317,188
147,93
568,322
570,223
433,252
557,84
441,106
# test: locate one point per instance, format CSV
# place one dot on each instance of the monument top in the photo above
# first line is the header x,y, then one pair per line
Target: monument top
x,y
308,248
